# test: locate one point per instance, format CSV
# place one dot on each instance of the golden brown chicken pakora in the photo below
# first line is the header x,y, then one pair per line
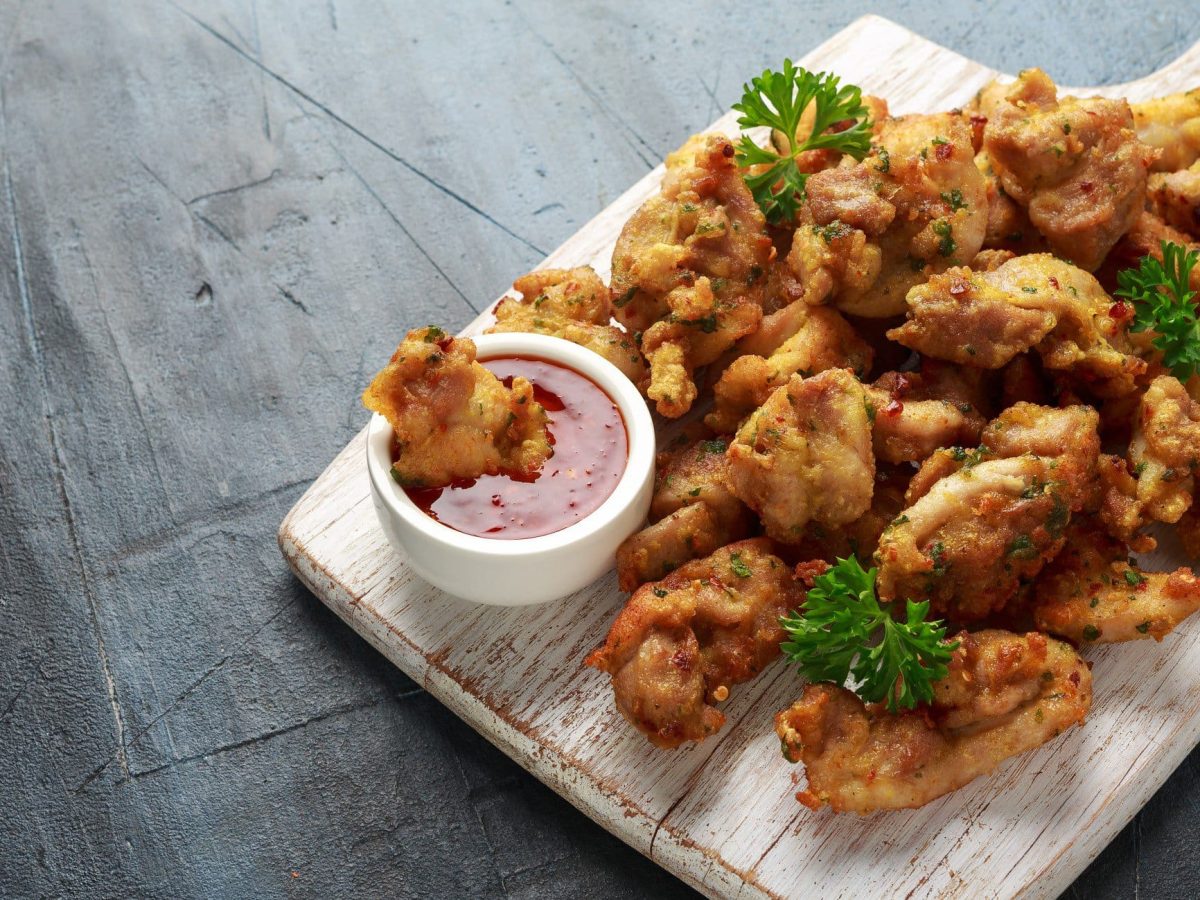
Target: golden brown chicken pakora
x,y
572,304
823,340
693,513
805,455
689,269
915,413
1092,593
1075,165
1165,450
988,520
680,644
916,205
1175,198
985,319
452,418
1171,125
1004,694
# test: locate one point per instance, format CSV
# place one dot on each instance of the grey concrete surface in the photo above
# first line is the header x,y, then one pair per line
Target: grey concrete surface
x,y
215,219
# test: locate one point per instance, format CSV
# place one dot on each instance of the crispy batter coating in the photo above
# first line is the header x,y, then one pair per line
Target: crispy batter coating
x,y
1075,165
451,417
1092,593
693,513
1115,502
870,231
915,413
689,269
1145,239
1005,694
823,340
986,319
975,530
859,538
1175,198
572,304
1008,225
679,644
1165,450
1172,125
805,455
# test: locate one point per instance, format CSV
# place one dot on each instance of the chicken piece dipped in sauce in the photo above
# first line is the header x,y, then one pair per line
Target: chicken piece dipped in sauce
x,y
689,269
680,644
806,455
1004,694
693,513
572,304
1092,593
453,419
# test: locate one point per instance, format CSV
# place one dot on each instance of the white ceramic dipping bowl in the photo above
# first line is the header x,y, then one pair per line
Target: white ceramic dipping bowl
x,y
526,570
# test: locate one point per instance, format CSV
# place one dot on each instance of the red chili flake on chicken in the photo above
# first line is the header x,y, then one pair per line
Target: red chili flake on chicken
x,y
1121,311
944,151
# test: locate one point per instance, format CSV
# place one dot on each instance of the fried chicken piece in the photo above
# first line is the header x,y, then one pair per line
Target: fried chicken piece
x,y
916,413
1171,124
693,513
451,417
1075,165
859,538
688,269
823,340
1116,504
1092,593
1004,694
806,455
981,523
1145,239
1008,225
1165,450
870,231
572,304
985,319
1175,198
679,644
967,544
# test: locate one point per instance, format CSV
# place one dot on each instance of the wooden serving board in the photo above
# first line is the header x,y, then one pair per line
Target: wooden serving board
x,y
721,814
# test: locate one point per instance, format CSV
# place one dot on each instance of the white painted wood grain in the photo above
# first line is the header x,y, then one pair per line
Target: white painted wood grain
x,y
722,814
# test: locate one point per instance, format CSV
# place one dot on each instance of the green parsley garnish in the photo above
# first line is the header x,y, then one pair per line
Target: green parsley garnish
x,y
1162,302
843,631
740,569
778,100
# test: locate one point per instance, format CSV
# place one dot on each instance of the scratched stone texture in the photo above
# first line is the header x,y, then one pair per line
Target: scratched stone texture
x,y
216,219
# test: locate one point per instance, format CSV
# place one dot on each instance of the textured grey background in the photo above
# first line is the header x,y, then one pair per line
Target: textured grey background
x,y
216,219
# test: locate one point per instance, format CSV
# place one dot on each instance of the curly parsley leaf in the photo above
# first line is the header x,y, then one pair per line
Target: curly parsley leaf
x,y
1163,302
844,632
778,100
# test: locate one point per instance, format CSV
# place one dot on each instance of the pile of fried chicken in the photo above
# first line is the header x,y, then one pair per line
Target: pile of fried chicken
x,y
927,370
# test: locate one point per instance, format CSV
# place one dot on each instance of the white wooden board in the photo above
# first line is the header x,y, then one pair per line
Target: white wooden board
x,y
721,814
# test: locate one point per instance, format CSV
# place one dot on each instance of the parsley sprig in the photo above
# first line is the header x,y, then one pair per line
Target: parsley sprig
x,y
843,631
778,100
1163,302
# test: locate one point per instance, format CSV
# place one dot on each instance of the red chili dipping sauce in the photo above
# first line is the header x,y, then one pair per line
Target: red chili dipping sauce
x,y
591,449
